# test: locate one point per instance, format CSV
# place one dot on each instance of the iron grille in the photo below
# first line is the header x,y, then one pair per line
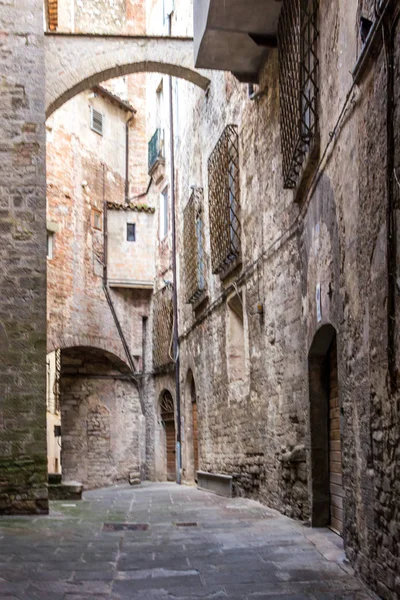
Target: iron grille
x,y
162,330
224,200
298,77
156,148
57,382
193,246
52,14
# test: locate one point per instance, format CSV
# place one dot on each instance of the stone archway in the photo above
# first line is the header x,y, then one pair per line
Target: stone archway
x,y
102,425
76,62
326,487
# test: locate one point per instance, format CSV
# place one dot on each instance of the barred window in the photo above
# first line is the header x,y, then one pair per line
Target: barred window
x,y
224,200
298,76
193,242
162,329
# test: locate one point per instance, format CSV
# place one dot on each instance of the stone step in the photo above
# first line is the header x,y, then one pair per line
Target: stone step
x,y
67,490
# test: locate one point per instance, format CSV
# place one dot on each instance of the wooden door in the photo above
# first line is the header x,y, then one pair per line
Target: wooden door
x,y
195,440
171,449
335,447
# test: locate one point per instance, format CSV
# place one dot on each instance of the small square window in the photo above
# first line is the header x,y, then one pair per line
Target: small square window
x,y
131,232
96,219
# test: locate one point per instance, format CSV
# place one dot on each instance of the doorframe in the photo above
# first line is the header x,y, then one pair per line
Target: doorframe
x,y
318,383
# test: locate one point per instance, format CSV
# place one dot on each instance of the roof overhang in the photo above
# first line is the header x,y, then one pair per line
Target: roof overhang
x,y
235,35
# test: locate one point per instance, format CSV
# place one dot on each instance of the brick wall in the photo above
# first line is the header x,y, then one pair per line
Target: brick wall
x,y
103,429
23,462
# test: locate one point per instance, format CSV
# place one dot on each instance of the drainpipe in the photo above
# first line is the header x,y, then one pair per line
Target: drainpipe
x,y
128,122
175,278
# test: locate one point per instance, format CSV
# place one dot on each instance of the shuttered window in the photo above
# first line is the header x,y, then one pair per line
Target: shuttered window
x,y
96,121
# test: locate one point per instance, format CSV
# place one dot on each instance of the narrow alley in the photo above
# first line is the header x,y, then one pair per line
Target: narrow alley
x,y
176,543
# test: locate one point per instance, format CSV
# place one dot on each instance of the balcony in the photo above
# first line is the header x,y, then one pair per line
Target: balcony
x,y
235,35
156,150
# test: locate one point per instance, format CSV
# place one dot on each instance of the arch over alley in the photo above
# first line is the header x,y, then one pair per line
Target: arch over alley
x,y
75,62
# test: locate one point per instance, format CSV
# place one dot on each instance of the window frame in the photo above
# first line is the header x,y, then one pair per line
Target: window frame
x,y
92,121
134,232
97,213
164,214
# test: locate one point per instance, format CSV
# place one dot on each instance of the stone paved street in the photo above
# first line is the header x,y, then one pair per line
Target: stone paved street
x,y
197,545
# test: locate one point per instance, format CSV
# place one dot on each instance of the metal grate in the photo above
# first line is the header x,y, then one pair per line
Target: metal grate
x,y
298,76
57,382
193,246
162,329
125,527
224,200
96,121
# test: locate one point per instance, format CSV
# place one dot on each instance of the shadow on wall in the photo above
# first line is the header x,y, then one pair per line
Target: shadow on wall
x,y
103,429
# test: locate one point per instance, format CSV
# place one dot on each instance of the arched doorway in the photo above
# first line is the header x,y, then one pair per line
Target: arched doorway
x,y
327,493
193,398
168,419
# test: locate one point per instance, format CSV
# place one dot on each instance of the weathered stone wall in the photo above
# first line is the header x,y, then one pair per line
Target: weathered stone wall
x,y
23,461
103,428
335,236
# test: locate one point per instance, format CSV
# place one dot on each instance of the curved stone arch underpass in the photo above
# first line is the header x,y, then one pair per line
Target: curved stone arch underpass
x,y
88,344
77,62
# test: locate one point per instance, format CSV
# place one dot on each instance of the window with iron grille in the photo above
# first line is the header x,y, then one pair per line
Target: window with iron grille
x,y
224,201
298,76
162,327
96,121
193,246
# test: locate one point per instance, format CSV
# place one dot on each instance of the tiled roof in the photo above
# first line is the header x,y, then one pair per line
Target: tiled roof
x,y
114,98
135,207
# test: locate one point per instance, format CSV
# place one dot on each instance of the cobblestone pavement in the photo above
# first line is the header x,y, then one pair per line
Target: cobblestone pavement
x,y
196,545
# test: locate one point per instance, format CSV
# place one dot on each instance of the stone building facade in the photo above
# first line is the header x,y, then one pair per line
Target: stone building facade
x,y
289,349
287,271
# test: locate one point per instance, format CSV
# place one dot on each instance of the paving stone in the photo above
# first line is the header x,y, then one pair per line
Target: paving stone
x,y
236,554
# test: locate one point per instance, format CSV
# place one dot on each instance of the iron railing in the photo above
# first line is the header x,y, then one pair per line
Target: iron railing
x,y
162,327
156,148
298,76
224,201
194,247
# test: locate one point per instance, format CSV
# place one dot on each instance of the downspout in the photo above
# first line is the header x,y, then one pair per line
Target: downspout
x,y
175,278
109,299
128,122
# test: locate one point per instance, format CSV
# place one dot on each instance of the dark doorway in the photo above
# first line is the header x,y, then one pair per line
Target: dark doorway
x,y
327,494
195,429
168,419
